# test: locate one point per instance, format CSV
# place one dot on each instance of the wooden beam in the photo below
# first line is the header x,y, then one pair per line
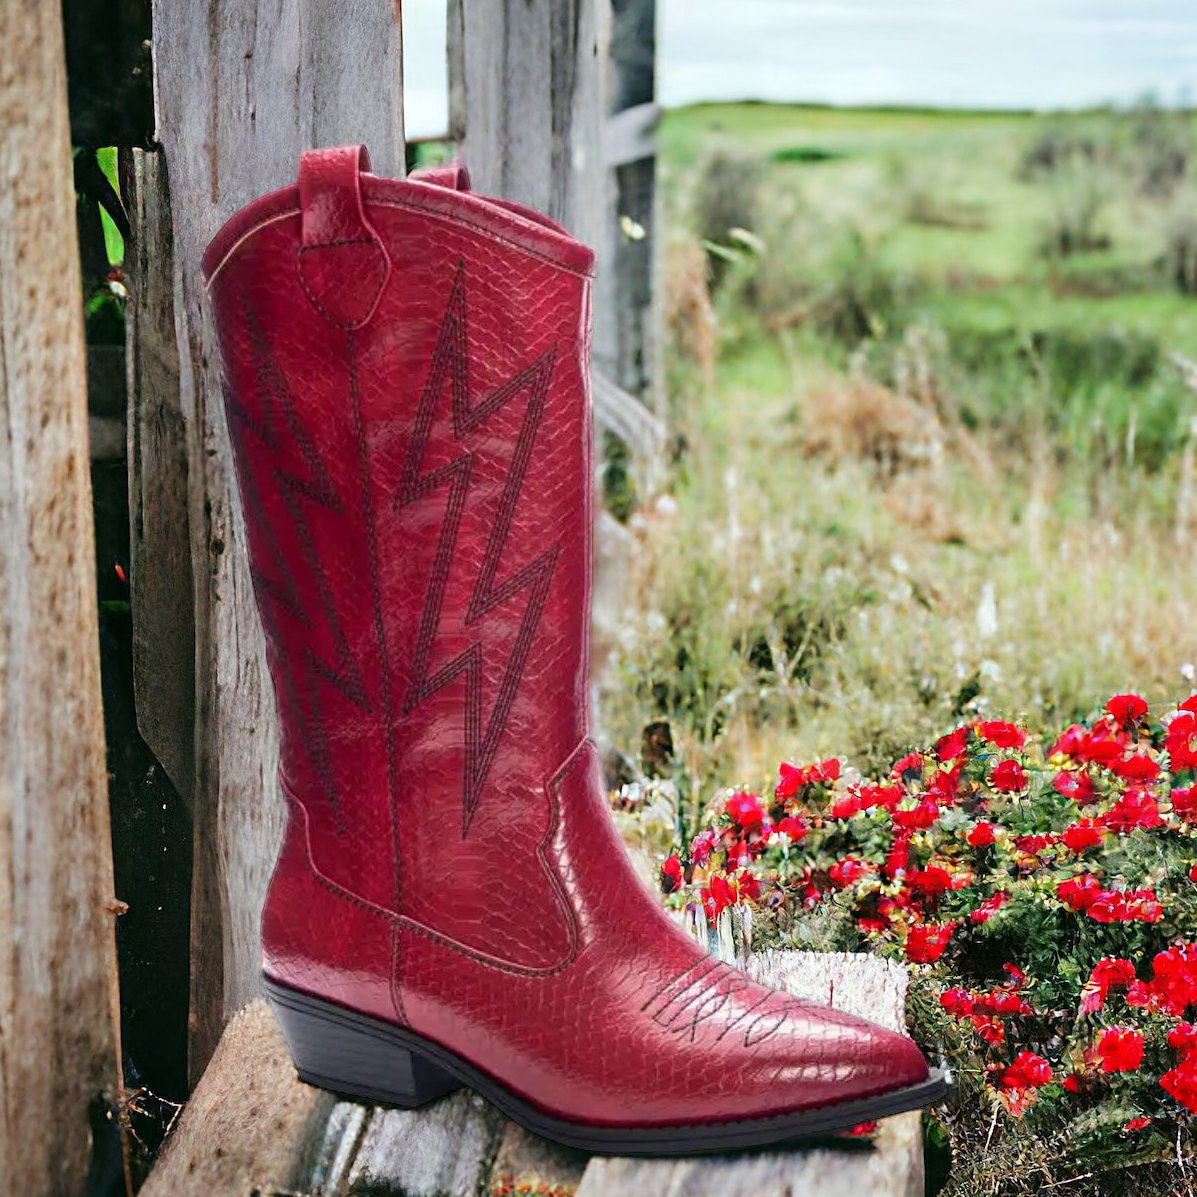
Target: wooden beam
x,y
59,1046
242,87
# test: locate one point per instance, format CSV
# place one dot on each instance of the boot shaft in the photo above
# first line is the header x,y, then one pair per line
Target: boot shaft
x,y
406,386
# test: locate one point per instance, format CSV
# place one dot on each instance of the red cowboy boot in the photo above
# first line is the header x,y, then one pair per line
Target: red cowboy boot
x,y
407,397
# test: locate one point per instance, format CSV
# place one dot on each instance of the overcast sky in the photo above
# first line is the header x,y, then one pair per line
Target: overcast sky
x,y
979,53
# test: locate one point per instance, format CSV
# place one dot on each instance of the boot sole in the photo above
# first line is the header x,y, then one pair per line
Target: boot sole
x,y
353,1054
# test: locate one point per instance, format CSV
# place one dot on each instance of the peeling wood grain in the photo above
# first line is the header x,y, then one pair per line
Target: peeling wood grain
x,y
239,94
58,992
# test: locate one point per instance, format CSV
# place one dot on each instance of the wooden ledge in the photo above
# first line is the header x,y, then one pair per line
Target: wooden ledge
x,y
252,1129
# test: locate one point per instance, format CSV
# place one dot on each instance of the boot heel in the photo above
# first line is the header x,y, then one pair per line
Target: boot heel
x,y
350,1053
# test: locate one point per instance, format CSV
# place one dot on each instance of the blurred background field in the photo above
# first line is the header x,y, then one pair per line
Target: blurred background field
x,y
933,440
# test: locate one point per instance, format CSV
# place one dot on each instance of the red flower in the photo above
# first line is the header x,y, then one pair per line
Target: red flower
x,y
1008,777
671,874
1174,978
1126,709
1136,1124
1184,804
828,770
747,886
745,810
717,896
1032,845
886,797
1120,1049
1181,1083
1190,704
1017,977
1072,1083
931,881
1019,1080
1182,1039
844,872
1107,973
1077,786
1136,808
919,818
926,942
1125,906
1027,1071
1139,767
1001,735
1070,743
990,907
845,806
1079,893
991,1029
1181,741
909,768
1193,872
792,827
701,846
898,856
957,1002
1084,833
1103,745
981,834
950,747
790,780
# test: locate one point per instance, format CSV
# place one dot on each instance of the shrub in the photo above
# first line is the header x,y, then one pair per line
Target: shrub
x,y
1044,897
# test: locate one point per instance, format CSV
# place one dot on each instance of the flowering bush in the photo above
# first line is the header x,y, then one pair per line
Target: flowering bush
x,y
1043,895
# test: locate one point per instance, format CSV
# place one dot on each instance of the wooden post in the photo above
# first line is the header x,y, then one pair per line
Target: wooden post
x,y
630,152
243,87
58,991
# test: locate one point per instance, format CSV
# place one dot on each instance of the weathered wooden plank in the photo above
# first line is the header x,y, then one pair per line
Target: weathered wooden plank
x,y
58,994
442,1150
891,1167
162,592
631,135
635,360
239,94
630,420
251,1125
848,1170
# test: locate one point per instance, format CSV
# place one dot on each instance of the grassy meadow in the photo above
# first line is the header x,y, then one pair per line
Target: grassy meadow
x,y
932,453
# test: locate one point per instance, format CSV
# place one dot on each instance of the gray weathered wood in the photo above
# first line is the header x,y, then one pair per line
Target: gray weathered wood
x,y
251,1124
162,590
239,94
58,995
635,359
442,1150
631,135
892,1167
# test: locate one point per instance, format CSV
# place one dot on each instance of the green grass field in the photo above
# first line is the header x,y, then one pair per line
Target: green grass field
x,y
937,457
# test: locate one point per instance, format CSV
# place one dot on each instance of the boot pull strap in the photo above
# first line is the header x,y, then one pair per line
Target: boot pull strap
x,y
343,265
452,175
